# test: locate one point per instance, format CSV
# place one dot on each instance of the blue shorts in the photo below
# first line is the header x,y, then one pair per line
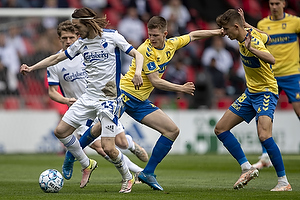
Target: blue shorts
x,y
291,86
249,105
136,108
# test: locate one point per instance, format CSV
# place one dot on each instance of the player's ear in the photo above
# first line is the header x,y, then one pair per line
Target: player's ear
x,y
165,33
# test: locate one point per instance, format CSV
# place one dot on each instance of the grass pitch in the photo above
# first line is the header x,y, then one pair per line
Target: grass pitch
x,y
181,176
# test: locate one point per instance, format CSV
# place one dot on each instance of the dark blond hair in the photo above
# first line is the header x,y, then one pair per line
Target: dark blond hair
x,y
157,22
230,17
91,19
65,26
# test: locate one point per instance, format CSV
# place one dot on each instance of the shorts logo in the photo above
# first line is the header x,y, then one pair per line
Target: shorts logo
x,y
110,127
266,102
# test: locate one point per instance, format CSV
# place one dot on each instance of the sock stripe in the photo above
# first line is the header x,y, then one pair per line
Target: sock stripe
x,y
73,139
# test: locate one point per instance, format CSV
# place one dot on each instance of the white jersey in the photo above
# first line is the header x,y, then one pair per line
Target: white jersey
x,y
102,59
70,76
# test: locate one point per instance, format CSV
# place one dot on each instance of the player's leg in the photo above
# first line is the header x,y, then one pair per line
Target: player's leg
x,y
159,121
264,160
109,131
264,128
296,106
126,142
64,133
87,138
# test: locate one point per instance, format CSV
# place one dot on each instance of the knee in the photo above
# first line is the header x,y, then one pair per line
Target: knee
x,y
218,129
110,151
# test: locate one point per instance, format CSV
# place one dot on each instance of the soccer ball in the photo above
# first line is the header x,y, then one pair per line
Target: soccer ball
x,y
51,180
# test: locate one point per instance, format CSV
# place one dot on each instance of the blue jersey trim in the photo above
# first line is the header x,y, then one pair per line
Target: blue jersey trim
x,y
53,83
129,49
252,62
283,38
118,70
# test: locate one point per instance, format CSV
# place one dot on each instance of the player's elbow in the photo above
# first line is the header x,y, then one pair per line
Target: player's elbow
x,y
272,61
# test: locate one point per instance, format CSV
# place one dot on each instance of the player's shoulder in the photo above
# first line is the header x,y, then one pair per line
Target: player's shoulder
x,y
264,20
146,49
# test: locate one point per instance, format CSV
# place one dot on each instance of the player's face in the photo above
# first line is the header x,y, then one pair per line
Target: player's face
x,y
277,8
81,28
157,37
231,31
67,38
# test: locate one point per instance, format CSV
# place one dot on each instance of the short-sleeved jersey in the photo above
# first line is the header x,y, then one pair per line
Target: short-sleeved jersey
x,y
102,60
284,44
70,76
259,74
155,60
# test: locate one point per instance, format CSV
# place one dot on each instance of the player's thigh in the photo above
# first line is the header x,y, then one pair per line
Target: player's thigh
x,y
161,122
121,140
227,122
296,106
63,129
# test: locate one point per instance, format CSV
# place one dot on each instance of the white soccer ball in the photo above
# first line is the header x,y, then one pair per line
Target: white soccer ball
x,y
51,180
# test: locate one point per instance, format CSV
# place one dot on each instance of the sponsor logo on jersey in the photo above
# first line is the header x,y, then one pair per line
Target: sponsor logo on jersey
x,y
70,77
91,56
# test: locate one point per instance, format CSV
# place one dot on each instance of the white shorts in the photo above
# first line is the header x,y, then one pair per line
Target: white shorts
x,y
89,108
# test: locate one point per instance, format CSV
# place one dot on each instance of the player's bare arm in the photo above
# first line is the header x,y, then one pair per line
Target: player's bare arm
x,y
56,96
139,60
202,34
267,57
162,84
49,61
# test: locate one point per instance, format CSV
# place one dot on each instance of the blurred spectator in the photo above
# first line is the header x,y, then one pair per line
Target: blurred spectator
x,y
177,16
217,50
134,30
9,60
50,22
96,5
143,8
15,39
15,3
176,72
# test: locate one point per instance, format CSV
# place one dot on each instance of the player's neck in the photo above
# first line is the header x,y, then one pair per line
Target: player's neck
x,y
277,17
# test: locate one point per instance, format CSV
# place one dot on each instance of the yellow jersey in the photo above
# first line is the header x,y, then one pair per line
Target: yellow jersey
x,y
284,44
259,74
155,60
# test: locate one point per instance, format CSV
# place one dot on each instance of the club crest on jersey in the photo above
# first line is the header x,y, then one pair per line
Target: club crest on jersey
x,y
70,77
91,56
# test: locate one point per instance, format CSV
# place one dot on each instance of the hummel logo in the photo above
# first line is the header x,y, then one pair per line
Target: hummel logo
x,y
63,69
85,47
110,127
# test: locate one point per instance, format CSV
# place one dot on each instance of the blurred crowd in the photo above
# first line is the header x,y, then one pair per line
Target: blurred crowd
x,y
213,64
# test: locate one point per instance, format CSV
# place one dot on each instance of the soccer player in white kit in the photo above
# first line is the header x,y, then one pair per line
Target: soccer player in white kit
x,y
100,50
70,76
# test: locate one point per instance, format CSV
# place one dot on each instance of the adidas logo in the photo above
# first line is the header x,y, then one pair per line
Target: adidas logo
x,y
110,127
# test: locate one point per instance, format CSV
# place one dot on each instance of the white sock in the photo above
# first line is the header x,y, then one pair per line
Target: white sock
x,y
265,155
72,144
108,159
131,166
283,179
131,146
246,166
122,167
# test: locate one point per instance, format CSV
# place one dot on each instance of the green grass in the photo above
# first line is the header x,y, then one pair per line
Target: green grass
x,y
182,177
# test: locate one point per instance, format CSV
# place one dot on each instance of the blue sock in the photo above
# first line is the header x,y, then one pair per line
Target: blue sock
x,y
160,150
84,140
275,156
87,138
233,146
264,150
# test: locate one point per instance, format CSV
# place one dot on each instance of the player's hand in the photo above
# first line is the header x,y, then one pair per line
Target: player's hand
x,y
24,69
248,40
137,81
241,12
189,88
71,101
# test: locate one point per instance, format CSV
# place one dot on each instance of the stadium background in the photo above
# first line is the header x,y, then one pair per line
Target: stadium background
x,y
29,28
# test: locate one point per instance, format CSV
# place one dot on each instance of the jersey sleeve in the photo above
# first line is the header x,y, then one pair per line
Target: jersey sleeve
x,y
298,25
259,40
52,76
122,43
73,50
180,41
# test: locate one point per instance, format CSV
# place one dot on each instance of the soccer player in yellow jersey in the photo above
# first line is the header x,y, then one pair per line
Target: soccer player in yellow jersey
x,y
283,29
259,99
157,52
